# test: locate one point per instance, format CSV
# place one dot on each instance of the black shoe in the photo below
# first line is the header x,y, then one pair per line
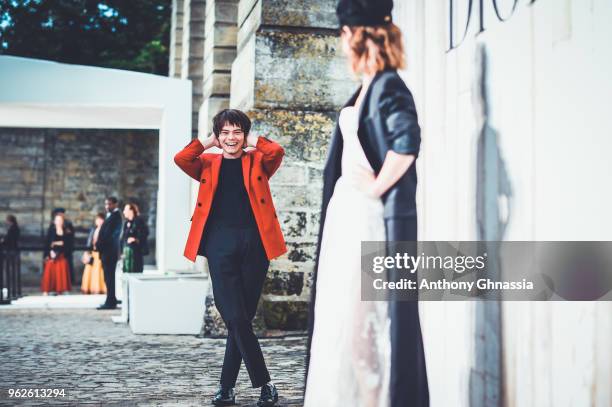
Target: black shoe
x,y
269,395
224,397
119,301
106,306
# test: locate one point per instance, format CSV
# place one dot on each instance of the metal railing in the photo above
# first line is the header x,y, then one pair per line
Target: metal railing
x,y
10,275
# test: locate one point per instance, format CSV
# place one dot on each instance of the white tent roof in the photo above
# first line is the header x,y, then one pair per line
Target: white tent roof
x,y
39,93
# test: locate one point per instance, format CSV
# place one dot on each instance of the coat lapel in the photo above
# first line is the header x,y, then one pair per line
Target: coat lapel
x,y
336,143
362,134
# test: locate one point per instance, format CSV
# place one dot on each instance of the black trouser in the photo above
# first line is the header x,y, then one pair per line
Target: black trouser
x,y
408,384
109,263
238,265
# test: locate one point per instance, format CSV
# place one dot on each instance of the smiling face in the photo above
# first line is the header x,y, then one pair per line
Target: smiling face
x,y
232,139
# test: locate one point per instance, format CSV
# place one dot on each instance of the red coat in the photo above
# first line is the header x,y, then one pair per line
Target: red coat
x,y
257,167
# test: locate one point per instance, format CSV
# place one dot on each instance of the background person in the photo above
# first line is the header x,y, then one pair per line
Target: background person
x,y
93,274
10,240
133,239
69,243
368,194
56,276
108,246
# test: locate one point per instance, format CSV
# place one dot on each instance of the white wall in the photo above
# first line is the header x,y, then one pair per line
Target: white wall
x,y
37,93
548,86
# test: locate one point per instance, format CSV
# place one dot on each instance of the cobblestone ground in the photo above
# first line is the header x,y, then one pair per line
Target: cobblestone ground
x,y
104,364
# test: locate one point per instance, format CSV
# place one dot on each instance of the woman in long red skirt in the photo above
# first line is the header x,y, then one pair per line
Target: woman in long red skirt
x,y
56,275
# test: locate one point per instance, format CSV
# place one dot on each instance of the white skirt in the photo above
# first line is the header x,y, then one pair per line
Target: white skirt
x,y
350,349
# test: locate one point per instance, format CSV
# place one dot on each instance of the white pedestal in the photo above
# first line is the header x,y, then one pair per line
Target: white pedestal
x,y
160,304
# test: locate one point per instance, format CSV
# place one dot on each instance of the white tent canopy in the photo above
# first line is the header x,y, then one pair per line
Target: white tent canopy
x,y
38,93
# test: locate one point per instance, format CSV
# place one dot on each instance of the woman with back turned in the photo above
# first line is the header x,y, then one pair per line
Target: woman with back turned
x,y
367,353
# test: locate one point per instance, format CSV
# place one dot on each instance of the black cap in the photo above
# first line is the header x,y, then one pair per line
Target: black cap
x,y
364,12
58,210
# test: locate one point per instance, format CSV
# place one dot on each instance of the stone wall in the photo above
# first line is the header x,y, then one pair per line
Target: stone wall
x,y
41,169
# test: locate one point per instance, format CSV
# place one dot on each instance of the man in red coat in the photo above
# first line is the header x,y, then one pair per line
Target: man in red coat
x,y
235,227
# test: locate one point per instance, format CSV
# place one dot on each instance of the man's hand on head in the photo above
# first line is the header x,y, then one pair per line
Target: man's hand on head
x,y
211,141
252,139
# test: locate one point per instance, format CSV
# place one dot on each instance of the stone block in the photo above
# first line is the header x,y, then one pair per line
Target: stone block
x,y
303,134
196,30
301,251
196,51
280,282
287,197
220,35
288,13
296,71
285,314
243,78
290,173
196,66
198,10
216,84
219,59
224,11
293,224
209,108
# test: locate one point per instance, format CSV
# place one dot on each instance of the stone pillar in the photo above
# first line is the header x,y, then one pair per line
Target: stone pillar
x,y
176,39
219,53
290,77
192,57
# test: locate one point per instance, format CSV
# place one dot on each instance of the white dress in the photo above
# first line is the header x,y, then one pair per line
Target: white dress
x,y
350,349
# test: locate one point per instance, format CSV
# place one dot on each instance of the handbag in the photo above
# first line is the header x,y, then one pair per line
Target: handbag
x,y
87,258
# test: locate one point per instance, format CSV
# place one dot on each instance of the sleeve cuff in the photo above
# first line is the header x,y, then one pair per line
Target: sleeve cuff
x,y
261,140
402,145
197,144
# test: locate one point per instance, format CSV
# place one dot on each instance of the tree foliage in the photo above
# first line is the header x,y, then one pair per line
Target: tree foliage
x,y
124,34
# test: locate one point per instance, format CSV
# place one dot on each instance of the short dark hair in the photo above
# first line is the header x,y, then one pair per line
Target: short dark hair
x,y
231,116
100,215
112,199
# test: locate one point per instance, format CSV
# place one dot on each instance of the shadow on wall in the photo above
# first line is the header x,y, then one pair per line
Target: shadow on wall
x,y
493,202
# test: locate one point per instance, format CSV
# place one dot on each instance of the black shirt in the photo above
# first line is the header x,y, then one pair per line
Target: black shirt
x,y
231,205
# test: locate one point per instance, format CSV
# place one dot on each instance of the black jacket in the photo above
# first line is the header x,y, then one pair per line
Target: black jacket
x,y
52,236
138,229
110,232
387,121
10,241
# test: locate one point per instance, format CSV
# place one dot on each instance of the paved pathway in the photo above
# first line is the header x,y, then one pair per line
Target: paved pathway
x,y
101,363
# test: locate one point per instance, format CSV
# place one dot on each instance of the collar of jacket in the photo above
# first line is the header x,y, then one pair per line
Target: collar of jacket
x,y
245,159
332,164
366,97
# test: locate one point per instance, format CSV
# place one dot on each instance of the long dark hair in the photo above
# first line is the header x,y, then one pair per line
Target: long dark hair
x,y
12,219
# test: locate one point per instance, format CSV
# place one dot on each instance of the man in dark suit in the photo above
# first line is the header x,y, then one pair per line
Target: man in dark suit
x,y
108,246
